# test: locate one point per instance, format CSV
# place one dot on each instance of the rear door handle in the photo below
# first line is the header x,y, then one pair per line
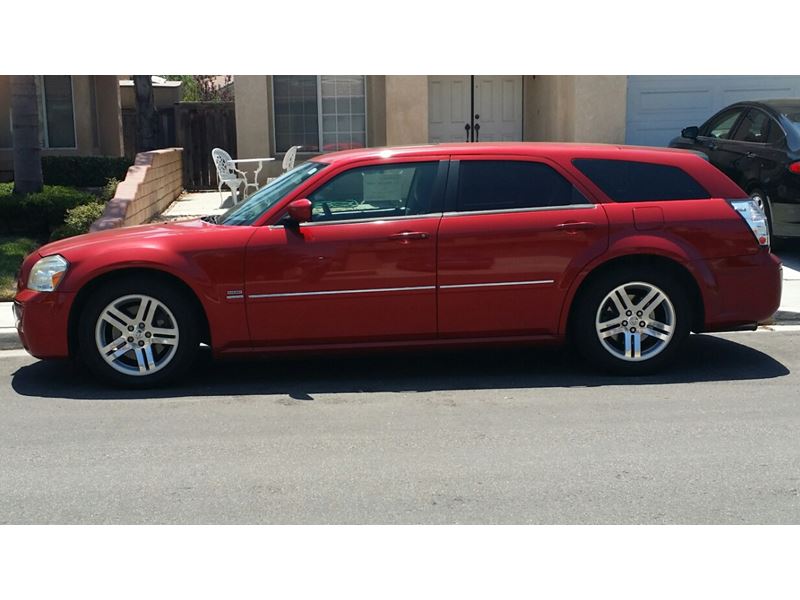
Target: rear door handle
x,y
576,226
750,155
406,236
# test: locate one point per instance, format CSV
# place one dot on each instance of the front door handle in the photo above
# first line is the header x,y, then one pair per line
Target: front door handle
x,y
467,127
406,236
477,132
576,226
750,155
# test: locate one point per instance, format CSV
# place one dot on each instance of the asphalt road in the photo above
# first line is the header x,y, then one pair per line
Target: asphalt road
x,y
512,436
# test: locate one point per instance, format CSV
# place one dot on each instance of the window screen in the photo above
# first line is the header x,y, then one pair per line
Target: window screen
x,y
505,184
629,181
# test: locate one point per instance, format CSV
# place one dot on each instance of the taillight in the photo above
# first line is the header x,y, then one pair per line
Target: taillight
x,y
754,217
795,167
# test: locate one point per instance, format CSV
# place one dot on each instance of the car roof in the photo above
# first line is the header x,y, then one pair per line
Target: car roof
x,y
541,149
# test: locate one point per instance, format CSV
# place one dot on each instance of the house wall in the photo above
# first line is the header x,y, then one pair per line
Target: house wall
x,y
575,108
406,110
98,125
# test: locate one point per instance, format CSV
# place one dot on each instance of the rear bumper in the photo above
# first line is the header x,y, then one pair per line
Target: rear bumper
x,y
746,291
42,322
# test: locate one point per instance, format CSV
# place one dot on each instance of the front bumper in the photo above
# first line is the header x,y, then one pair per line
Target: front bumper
x,y
747,291
42,320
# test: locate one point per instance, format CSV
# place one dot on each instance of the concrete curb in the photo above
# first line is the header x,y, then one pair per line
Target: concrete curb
x,y
9,340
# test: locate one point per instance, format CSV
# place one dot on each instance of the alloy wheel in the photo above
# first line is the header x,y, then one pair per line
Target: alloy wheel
x,y
137,335
635,321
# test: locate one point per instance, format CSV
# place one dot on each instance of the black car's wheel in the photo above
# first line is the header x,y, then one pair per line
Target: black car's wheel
x,y
632,321
138,333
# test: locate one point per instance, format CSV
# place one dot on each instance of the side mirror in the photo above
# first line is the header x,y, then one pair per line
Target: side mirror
x,y
299,211
690,132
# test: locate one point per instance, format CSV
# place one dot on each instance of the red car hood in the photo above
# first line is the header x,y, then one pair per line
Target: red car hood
x,y
122,235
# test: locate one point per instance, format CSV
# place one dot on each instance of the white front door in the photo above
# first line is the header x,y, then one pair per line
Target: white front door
x,y
474,108
498,108
449,108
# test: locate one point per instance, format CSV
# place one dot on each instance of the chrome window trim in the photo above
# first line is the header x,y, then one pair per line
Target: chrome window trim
x,y
365,220
499,211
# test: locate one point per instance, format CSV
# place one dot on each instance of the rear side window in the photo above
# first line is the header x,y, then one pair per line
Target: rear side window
x,y
509,185
629,181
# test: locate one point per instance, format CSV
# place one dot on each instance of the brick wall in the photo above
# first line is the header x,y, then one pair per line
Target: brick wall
x,y
153,182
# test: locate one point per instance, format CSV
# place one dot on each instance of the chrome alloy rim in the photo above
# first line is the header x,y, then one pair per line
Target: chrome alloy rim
x,y
635,321
137,335
759,200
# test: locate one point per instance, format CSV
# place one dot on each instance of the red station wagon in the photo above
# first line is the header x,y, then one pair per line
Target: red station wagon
x,y
623,250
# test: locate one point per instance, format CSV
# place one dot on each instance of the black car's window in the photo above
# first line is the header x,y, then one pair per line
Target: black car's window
x,y
629,181
754,127
506,184
775,134
721,126
376,192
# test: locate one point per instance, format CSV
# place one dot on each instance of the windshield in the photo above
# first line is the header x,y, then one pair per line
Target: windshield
x,y
256,205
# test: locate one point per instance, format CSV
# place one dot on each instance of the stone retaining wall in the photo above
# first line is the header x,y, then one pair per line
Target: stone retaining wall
x,y
153,182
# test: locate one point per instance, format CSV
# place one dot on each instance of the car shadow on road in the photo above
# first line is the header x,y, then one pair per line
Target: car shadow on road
x,y
706,358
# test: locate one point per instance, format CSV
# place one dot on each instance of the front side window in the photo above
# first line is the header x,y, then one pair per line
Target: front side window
x,y
508,185
322,113
754,127
630,181
722,125
265,198
376,192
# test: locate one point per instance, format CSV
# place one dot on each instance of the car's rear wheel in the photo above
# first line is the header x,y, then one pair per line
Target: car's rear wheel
x,y
138,334
631,322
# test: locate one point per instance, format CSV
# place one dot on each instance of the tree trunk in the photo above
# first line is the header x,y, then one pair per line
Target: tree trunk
x,y
25,130
146,116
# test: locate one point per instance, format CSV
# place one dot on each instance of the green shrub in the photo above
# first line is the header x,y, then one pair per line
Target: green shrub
x,y
110,188
37,215
78,220
83,171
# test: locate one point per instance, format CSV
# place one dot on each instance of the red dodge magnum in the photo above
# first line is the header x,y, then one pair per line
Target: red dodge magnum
x,y
623,250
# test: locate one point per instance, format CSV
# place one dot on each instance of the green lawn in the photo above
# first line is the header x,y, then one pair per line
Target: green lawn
x,y
12,251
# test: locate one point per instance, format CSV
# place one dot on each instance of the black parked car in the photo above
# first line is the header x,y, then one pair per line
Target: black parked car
x,y
757,144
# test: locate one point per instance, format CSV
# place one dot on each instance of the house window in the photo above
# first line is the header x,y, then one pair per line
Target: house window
x,y
57,113
319,113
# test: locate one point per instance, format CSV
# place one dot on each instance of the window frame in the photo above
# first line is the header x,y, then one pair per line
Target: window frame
x,y
742,121
320,151
277,219
706,131
454,177
45,129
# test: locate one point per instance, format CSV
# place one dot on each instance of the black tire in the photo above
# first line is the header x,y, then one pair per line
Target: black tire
x,y
585,336
175,300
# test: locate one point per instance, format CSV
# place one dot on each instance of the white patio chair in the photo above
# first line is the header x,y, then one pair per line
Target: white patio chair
x,y
227,174
288,158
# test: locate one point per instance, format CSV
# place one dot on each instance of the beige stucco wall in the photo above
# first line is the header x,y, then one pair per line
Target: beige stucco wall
x,y
253,123
406,109
98,125
575,108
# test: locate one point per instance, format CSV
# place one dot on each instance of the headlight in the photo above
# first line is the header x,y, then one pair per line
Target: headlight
x,y
47,273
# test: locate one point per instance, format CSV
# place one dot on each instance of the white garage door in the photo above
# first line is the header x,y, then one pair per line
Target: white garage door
x,y
660,106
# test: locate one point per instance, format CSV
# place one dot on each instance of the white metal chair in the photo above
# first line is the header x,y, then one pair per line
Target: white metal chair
x,y
288,158
227,174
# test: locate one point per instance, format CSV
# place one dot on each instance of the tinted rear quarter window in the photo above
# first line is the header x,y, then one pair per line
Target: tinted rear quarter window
x,y
631,181
509,184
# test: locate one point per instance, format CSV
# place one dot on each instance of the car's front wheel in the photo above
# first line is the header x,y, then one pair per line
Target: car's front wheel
x,y
631,322
138,333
